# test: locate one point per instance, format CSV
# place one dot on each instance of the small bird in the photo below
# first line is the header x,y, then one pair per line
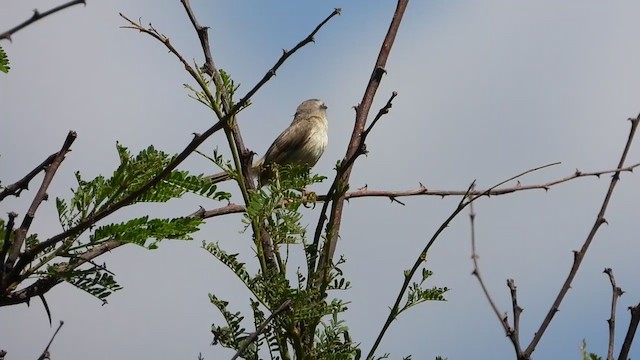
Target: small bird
x,y
302,143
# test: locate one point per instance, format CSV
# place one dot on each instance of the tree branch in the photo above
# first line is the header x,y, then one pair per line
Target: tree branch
x,y
20,234
37,16
504,321
631,332
356,146
45,352
616,292
579,255
423,255
16,188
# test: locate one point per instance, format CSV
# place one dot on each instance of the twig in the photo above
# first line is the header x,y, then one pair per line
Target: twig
x,y
631,332
504,321
37,16
410,273
45,352
423,191
345,165
616,292
225,210
579,255
511,284
254,335
20,234
23,184
354,149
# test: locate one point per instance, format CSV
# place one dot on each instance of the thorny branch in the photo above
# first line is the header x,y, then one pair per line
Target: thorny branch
x,y
631,332
579,255
512,333
354,149
616,292
37,15
464,202
423,191
45,352
20,233
16,188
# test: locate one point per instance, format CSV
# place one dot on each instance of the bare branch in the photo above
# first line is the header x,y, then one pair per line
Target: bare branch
x,y
504,320
345,165
511,284
45,352
37,16
579,255
631,332
23,184
20,234
423,191
225,210
615,294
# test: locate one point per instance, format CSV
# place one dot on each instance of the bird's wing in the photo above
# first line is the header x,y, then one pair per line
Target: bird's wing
x,y
280,151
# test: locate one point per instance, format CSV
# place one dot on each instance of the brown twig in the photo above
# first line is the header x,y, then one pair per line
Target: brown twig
x,y
254,335
615,294
225,210
345,165
423,191
23,184
37,16
631,332
464,202
409,274
20,234
45,352
517,310
355,147
512,333
579,255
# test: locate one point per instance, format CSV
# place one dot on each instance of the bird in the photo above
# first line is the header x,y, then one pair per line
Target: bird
x,y
302,143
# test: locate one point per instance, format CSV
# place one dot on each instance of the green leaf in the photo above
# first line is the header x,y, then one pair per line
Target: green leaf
x,y
4,61
140,230
96,281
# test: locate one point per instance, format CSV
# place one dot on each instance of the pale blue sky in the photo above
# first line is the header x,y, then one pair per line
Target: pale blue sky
x,y
486,90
